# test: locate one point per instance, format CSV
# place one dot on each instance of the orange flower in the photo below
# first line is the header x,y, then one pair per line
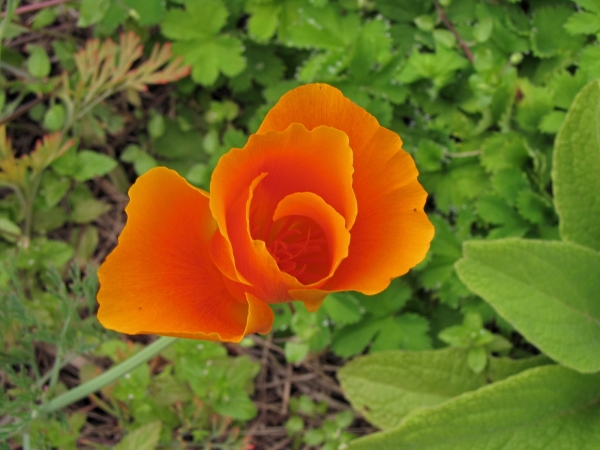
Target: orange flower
x,y
321,199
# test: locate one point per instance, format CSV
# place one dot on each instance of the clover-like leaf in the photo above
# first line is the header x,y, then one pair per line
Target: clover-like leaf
x,y
196,32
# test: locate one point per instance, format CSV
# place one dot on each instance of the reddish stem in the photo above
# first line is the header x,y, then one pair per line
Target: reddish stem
x,y
37,6
450,27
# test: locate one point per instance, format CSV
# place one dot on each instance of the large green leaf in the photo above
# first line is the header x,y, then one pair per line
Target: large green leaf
x,y
576,169
545,408
547,290
386,386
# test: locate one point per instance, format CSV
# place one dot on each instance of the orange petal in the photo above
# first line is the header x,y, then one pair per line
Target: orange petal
x,y
275,165
260,316
160,279
391,233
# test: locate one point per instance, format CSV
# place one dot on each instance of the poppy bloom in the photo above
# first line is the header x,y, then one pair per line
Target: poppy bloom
x,y
321,199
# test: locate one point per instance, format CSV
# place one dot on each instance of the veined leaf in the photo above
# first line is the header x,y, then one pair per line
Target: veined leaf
x,y
576,169
545,408
547,290
386,386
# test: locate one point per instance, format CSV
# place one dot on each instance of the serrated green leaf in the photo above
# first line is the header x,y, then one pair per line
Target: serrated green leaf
x,y
263,20
321,28
407,331
483,29
503,151
536,103
439,66
89,210
386,302
199,20
495,210
425,23
576,169
445,38
211,56
373,46
429,155
566,86
236,405
142,161
53,188
114,17
508,38
535,208
381,109
262,65
549,37
509,183
592,5
352,339
143,438
43,253
546,290
313,437
457,184
343,308
198,175
92,164
583,23
453,291
92,11
589,62
402,10
150,12
551,401
295,352
552,122
386,386
196,31
176,144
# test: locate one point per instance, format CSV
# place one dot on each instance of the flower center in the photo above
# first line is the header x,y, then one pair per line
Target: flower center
x,y
299,247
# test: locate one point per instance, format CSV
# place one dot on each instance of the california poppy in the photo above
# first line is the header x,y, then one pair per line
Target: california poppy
x,y
321,199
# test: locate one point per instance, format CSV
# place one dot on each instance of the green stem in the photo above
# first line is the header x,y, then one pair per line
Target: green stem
x,y
11,6
111,375
59,354
26,442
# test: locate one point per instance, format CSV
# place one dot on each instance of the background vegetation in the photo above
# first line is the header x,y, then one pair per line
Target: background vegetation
x,y
97,92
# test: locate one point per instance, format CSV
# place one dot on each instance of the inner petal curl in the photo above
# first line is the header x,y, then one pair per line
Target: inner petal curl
x,y
306,237
300,248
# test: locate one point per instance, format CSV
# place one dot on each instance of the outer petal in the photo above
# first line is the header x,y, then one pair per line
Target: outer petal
x,y
391,233
248,184
160,278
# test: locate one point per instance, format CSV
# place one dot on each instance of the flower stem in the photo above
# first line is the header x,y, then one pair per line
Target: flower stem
x,y
111,375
